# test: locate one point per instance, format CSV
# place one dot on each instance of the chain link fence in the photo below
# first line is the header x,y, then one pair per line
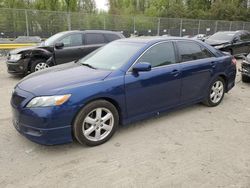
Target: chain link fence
x,y
20,22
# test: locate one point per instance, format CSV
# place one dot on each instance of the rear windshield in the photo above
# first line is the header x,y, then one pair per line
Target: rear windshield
x,y
223,36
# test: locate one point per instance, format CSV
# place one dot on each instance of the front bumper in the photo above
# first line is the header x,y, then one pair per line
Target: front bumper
x,y
49,136
245,68
47,126
19,67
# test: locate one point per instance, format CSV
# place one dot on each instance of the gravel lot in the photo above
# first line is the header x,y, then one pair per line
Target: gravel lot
x,y
193,147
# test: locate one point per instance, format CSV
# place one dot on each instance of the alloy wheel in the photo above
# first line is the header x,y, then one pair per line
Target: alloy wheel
x,y
41,66
217,91
98,124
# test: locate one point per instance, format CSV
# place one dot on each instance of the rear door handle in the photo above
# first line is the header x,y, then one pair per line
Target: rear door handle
x,y
175,72
213,64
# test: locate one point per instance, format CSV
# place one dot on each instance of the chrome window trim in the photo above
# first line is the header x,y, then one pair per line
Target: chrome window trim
x,y
130,68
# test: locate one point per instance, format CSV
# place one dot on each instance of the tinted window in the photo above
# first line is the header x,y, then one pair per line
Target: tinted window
x,y
111,37
72,40
159,55
245,37
189,51
95,38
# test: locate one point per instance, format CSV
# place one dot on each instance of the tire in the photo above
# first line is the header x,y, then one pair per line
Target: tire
x,y
88,127
38,65
215,93
245,78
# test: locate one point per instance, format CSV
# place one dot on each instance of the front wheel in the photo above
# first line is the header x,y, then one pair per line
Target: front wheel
x,y
216,92
38,65
96,123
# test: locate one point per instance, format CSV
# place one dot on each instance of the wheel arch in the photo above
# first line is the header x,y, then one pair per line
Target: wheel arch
x,y
39,54
110,100
224,77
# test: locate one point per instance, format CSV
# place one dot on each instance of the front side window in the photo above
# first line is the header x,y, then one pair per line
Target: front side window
x,y
72,40
94,38
190,51
159,55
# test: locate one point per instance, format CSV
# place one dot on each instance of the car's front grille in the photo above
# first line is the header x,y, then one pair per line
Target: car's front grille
x,y
16,99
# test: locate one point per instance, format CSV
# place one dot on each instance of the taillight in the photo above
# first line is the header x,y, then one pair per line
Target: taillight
x,y
234,61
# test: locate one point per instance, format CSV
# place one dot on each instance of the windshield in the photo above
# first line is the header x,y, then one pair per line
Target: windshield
x,y
112,56
223,36
52,40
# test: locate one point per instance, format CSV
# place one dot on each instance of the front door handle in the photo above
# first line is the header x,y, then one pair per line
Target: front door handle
x,y
175,72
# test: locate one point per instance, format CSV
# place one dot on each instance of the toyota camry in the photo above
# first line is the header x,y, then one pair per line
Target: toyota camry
x,y
125,81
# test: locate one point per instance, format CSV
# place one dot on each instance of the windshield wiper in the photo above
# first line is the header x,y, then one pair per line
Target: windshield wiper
x,y
87,65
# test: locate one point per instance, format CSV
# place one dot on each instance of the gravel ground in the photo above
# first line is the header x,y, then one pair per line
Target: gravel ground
x,y
193,147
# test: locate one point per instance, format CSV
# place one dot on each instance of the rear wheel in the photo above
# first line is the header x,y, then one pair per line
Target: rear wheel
x,y
96,123
38,65
216,92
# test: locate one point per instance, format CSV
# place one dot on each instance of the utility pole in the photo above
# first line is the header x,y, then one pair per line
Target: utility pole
x,y
248,3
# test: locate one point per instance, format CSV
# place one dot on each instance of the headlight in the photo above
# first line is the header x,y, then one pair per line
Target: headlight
x,y
48,101
219,46
246,60
15,57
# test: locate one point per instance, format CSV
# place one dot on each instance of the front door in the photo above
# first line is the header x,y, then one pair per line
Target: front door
x,y
72,50
156,89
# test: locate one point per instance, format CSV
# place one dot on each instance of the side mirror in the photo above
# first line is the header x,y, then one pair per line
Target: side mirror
x,y
142,67
59,45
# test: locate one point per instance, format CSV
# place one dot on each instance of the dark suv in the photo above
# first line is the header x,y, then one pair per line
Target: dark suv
x,y
60,48
235,42
245,69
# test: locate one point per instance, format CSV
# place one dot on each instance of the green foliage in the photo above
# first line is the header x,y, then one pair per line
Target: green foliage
x,y
197,9
87,6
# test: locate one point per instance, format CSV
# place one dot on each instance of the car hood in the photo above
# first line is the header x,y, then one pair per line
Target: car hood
x,y
216,42
18,50
55,79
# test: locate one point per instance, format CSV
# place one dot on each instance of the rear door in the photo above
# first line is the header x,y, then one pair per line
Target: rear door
x,y
197,66
156,89
92,41
71,50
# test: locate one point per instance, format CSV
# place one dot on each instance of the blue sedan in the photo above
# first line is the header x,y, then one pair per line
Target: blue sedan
x,y
122,82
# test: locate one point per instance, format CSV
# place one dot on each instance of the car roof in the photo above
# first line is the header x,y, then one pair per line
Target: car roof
x,y
234,32
149,40
90,31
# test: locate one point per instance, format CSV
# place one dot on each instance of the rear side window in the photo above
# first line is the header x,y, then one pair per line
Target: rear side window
x,y
190,51
72,40
94,38
111,37
159,55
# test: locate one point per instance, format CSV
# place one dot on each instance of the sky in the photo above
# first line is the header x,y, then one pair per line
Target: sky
x,y
102,4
